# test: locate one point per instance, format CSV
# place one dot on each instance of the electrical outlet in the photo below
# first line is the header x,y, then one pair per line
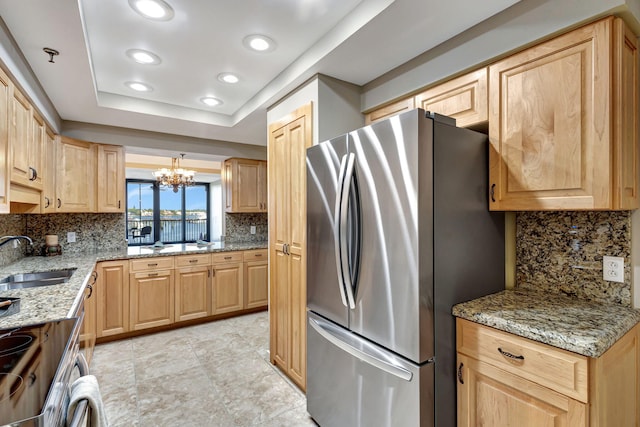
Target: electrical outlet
x,y
253,229
613,268
71,237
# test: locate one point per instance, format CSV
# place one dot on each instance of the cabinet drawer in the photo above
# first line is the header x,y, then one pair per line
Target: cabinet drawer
x,y
151,273
227,257
256,255
151,263
192,260
560,370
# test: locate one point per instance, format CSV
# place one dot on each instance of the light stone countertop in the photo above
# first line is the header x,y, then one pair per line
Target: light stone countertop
x,y
46,303
583,327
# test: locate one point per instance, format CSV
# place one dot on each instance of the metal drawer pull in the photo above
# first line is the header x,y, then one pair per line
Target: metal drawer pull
x,y
193,260
152,265
460,373
258,255
510,355
152,274
228,257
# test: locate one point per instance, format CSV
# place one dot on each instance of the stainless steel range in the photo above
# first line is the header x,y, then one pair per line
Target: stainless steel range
x,y
36,364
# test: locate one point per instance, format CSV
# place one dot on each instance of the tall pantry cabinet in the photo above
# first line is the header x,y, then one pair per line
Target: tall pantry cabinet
x,y
288,140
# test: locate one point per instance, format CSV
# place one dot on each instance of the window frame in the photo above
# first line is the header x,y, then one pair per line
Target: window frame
x,y
156,221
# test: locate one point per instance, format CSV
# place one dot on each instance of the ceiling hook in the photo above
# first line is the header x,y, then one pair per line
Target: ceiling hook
x,y
51,52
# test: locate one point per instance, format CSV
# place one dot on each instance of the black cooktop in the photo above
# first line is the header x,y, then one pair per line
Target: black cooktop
x,y
29,358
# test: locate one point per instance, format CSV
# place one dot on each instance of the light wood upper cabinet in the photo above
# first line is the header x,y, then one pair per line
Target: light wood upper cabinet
x,y
49,201
390,110
563,123
111,178
245,185
75,176
26,139
5,103
288,141
464,98
505,379
112,298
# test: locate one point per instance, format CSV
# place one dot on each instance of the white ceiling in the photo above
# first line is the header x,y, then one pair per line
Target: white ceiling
x,y
352,40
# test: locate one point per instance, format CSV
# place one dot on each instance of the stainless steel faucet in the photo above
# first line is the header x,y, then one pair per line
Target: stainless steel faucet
x,y
6,239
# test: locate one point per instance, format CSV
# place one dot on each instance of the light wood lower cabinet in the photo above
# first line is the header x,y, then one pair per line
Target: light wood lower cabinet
x,y
152,299
112,298
88,332
506,380
256,279
227,285
143,293
193,292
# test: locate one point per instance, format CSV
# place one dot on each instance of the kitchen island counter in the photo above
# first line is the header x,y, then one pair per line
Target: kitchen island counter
x,y
583,327
46,303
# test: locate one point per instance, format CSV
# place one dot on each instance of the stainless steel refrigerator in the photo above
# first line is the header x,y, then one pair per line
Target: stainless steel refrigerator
x,y
398,232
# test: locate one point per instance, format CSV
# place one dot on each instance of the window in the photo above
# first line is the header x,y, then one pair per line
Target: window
x,y
156,213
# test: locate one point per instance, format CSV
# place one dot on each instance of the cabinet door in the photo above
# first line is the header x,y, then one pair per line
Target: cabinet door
x,y
111,180
228,185
488,396
48,202
36,150
19,139
192,292
227,287
88,333
75,178
262,186
112,303
288,141
550,124
464,98
152,299
256,277
5,102
390,110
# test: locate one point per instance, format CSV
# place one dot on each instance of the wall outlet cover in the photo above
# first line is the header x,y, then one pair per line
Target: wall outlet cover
x,y
613,268
71,237
253,229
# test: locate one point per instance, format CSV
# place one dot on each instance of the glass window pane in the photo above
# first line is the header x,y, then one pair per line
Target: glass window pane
x,y
170,215
139,213
196,213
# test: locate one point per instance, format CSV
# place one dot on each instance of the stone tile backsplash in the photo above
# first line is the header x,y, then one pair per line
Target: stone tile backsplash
x,y
561,252
94,231
12,225
238,227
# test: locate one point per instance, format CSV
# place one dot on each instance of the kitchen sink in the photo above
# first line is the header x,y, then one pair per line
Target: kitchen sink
x,y
40,278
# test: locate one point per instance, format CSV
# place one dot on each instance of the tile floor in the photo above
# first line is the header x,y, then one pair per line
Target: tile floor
x,y
214,374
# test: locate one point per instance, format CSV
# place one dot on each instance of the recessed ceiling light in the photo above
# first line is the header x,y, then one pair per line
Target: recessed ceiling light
x,y
139,87
259,43
143,56
228,78
152,9
210,101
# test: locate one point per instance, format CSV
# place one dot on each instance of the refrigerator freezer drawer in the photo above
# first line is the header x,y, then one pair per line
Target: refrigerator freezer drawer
x,y
353,382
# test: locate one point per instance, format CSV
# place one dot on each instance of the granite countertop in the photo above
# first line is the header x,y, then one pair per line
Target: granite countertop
x,y
46,303
581,326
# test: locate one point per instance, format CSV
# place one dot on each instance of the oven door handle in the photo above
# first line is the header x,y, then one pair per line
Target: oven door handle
x,y
82,409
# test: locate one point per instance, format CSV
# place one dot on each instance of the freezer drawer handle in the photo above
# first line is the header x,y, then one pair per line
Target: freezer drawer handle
x,y
374,361
510,355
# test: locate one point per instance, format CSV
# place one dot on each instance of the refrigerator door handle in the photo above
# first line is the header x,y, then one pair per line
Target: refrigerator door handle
x,y
389,368
336,228
344,214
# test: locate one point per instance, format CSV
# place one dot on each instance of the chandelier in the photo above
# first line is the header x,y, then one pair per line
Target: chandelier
x,y
176,176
